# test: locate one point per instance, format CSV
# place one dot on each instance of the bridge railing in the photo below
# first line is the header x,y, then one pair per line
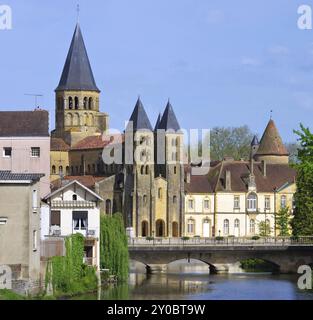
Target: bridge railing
x,y
225,241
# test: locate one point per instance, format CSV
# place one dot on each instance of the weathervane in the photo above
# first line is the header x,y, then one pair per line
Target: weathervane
x,y
271,114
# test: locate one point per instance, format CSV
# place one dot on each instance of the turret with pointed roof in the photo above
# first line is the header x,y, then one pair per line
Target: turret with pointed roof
x,y
139,118
271,148
158,122
169,120
77,73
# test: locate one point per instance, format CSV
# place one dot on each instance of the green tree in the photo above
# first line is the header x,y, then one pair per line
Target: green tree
x,y
114,246
283,221
302,223
264,229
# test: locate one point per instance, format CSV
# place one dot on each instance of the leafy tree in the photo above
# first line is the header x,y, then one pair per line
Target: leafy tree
x,y
302,223
293,148
283,221
264,229
114,246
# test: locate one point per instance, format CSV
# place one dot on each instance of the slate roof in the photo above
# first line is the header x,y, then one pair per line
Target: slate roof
x,y
24,123
77,73
169,120
7,175
58,144
271,142
139,118
277,175
255,141
158,122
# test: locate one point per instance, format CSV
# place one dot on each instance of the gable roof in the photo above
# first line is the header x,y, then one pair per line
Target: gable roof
x,y
24,123
271,142
169,120
97,142
68,185
58,144
77,73
7,176
139,118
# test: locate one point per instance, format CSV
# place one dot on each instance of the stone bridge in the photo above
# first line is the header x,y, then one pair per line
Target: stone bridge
x,y
286,255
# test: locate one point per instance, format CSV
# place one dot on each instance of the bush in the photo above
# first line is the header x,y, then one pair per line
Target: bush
x,y
219,238
149,238
255,238
185,238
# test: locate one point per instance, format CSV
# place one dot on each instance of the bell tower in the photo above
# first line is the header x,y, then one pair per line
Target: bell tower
x,y
77,113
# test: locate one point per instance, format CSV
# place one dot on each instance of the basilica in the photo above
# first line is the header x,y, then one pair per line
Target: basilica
x,y
162,199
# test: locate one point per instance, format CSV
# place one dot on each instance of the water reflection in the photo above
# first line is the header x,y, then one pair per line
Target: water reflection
x,y
193,281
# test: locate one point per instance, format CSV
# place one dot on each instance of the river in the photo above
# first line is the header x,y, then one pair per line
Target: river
x,y
193,281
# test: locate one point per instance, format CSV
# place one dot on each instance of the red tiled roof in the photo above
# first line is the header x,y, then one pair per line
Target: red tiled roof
x,y
58,144
87,181
97,142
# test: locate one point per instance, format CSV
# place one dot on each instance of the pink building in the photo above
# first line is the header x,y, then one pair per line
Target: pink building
x,y
25,144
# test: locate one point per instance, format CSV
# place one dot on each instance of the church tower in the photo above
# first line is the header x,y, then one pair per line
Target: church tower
x,y
77,97
139,176
173,171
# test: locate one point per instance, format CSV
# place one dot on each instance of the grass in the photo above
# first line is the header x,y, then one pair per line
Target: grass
x,y
6,294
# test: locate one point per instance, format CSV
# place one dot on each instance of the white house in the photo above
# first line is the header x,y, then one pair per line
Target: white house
x,y
73,209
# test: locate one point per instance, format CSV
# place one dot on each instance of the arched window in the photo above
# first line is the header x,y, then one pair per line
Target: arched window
x,y
108,206
144,199
76,103
85,103
237,223
283,202
144,228
53,170
160,193
72,170
206,204
226,227
90,103
191,226
160,228
142,170
174,199
147,169
252,227
67,170
60,170
252,202
175,170
70,103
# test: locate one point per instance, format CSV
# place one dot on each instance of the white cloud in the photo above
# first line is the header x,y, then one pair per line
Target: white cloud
x,y
215,16
248,61
279,50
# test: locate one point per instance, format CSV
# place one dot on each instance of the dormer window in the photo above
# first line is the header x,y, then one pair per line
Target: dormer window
x,y
74,197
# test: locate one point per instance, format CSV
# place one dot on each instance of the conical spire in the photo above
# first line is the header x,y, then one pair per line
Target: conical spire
x,y
169,120
271,142
255,141
77,73
158,122
139,118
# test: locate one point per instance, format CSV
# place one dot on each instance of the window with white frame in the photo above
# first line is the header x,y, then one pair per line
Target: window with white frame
x,y
267,203
283,202
191,226
206,204
252,202
7,152
236,202
80,220
226,227
34,240
35,152
237,223
252,227
190,204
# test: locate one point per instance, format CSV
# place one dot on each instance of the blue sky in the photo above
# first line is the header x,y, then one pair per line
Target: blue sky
x,y
222,63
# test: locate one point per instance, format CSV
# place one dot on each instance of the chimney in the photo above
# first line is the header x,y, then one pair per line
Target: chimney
x,y
228,180
263,163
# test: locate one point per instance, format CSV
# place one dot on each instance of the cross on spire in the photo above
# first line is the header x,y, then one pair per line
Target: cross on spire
x,y
78,12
